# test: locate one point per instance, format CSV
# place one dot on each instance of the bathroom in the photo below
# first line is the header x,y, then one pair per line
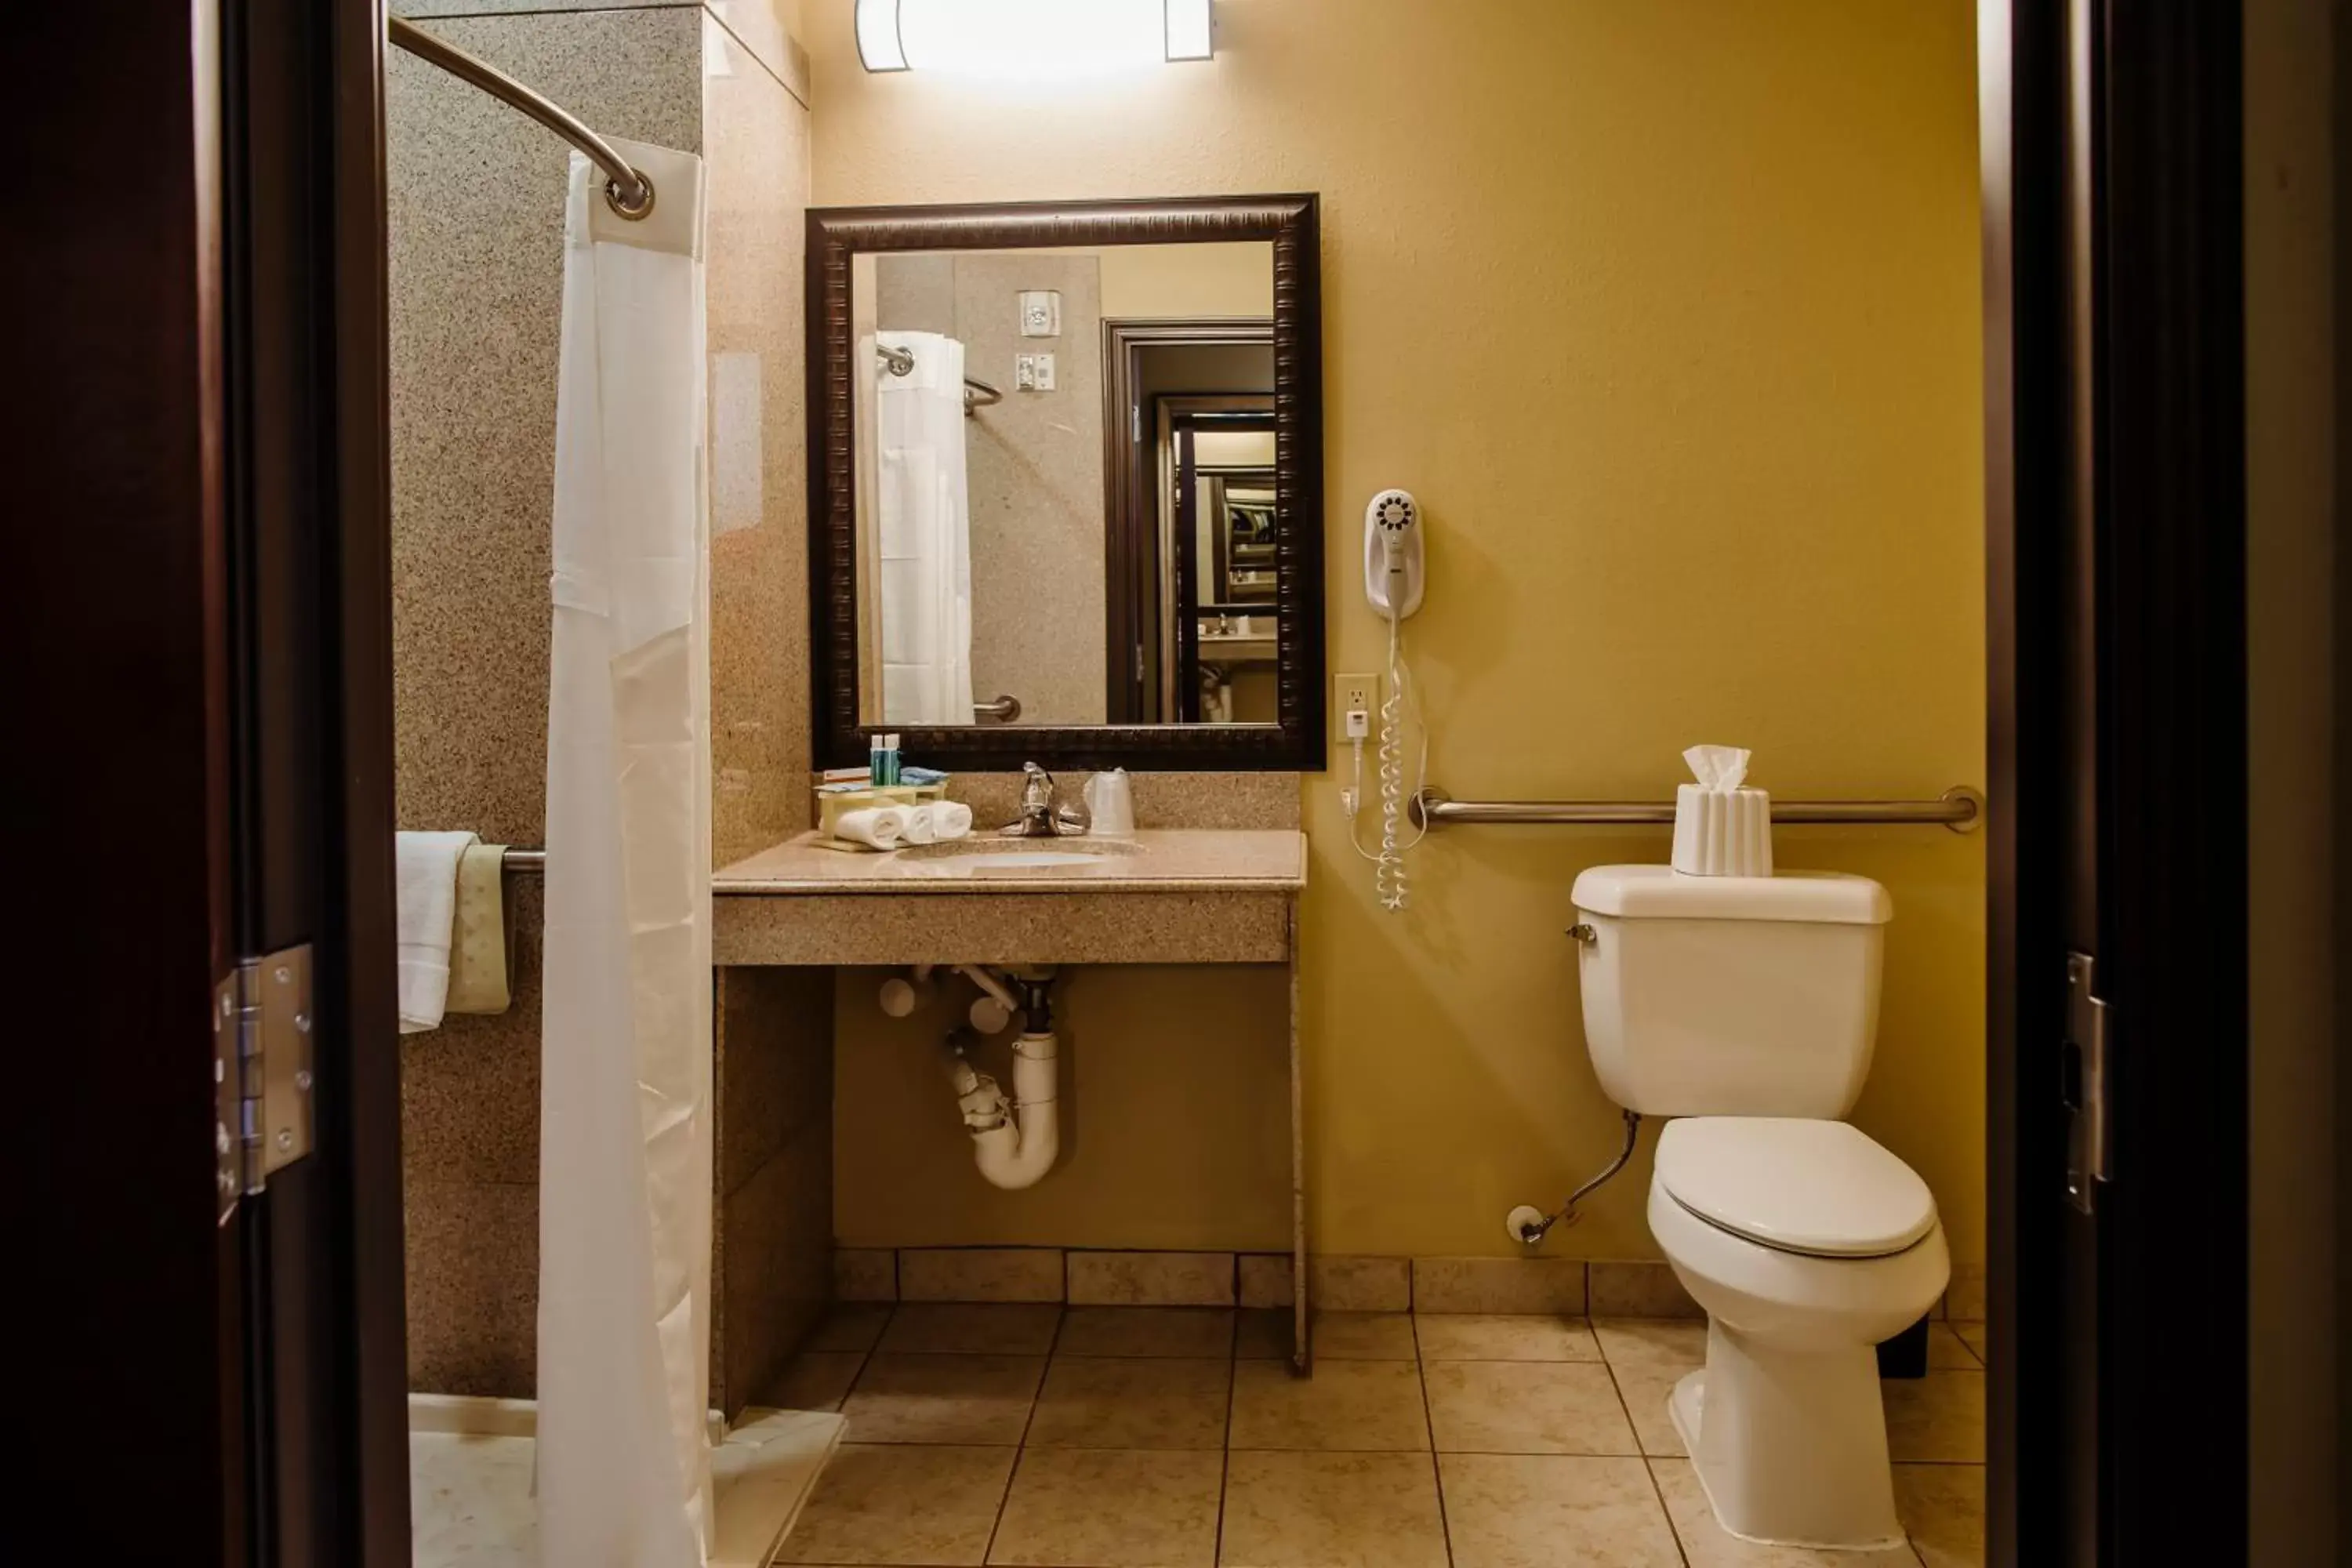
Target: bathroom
x,y
1318,854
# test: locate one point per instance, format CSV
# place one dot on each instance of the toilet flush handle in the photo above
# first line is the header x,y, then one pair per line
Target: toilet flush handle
x,y
1583,934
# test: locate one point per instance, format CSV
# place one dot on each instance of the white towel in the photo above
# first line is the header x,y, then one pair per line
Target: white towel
x,y
951,819
876,827
428,877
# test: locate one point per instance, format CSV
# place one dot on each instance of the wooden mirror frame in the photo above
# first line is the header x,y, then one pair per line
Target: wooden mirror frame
x,y
1296,741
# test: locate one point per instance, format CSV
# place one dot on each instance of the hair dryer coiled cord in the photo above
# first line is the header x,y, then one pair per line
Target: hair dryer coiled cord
x,y
1391,884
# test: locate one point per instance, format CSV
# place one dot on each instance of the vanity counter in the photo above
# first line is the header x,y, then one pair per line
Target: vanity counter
x,y
1166,896
1155,860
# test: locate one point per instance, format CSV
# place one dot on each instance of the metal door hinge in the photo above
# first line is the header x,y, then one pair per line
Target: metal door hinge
x,y
2085,1066
261,1072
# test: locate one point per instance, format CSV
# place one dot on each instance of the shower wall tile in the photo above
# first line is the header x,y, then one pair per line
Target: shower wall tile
x,y
774,1077
476,224
469,1090
756,141
473,1287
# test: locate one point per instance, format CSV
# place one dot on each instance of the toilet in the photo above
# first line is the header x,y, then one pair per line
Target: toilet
x,y
1746,1008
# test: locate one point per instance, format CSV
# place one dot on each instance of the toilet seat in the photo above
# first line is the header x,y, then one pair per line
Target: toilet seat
x,y
1818,1189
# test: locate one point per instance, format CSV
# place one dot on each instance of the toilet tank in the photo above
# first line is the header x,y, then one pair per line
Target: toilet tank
x,y
1730,996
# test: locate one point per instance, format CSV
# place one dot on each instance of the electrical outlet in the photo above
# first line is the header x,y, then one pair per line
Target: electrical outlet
x,y
1352,695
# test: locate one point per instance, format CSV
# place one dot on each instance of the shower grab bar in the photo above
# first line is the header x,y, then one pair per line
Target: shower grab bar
x,y
627,191
901,362
1959,809
1004,710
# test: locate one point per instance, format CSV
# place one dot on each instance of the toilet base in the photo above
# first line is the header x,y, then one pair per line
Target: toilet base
x,y
1790,1447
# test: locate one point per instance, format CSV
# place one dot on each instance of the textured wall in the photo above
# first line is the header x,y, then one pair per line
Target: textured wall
x,y
1669,314
476,210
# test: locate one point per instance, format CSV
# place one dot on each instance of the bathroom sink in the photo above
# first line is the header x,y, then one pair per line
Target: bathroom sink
x,y
982,857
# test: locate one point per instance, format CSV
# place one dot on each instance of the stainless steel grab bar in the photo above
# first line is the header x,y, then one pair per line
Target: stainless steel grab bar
x,y
1959,809
528,862
1004,710
629,191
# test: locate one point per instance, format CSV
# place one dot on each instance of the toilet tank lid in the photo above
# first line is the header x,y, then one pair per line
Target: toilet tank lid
x,y
1660,892
1821,1188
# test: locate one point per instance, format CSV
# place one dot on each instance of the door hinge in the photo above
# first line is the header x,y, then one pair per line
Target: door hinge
x,y
261,1072
2084,1063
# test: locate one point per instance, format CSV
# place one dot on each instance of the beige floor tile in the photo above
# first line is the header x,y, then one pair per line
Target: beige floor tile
x,y
1354,1405
968,1399
1948,1351
971,1329
1263,1335
1146,1331
814,1380
1973,1336
1152,1278
1363,1336
1490,1337
1520,1511
1940,1418
1106,1509
1525,1408
849,1327
1332,1511
1707,1544
1943,1508
1132,1402
1346,1284
912,1505
1265,1278
1663,1344
1645,1391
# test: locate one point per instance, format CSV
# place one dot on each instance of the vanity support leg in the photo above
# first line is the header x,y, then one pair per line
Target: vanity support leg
x,y
1302,1359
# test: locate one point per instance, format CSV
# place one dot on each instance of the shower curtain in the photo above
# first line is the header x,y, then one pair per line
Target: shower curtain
x,y
926,533
625,1062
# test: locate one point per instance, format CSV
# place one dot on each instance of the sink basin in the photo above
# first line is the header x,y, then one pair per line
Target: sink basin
x,y
986,855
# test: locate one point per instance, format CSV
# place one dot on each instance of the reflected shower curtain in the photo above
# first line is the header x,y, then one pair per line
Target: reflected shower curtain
x,y
624,1061
926,533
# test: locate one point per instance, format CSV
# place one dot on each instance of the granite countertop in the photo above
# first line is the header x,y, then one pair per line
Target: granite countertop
x,y
1154,860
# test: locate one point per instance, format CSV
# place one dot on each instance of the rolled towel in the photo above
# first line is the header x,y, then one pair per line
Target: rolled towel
x,y
951,819
425,909
919,825
876,827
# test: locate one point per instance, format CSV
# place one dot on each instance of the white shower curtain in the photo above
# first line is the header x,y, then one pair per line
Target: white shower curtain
x,y
926,533
624,1060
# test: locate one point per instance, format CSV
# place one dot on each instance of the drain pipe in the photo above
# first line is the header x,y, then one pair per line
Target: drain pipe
x,y
1530,1225
1015,1138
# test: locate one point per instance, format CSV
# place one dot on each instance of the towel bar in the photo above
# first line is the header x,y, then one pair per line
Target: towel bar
x,y
529,862
1959,809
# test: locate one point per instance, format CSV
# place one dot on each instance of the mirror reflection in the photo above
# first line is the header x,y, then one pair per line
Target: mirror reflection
x,y
1065,485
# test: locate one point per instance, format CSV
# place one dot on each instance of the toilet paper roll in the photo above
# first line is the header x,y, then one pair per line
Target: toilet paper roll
x,y
1723,833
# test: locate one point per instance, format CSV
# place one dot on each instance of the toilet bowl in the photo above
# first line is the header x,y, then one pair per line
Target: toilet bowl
x,y
1806,1244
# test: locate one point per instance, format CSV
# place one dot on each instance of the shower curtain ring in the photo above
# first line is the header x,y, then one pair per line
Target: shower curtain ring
x,y
617,200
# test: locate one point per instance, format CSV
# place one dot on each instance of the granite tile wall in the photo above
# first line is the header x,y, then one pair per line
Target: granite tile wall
x,y
475,213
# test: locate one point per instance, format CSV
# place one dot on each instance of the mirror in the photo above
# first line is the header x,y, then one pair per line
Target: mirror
x,y
1071,465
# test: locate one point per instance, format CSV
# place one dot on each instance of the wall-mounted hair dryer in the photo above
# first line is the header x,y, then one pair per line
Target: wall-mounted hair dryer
x,y
1392,564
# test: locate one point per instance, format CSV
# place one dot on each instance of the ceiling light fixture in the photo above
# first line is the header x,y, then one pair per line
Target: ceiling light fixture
x,y
1030,37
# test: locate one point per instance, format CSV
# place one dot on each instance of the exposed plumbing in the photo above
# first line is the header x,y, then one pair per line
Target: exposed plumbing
x,y
1529,1224
1015,1138
989,1011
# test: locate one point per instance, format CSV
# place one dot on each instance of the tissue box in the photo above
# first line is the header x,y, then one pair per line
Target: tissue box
x,y
1723,833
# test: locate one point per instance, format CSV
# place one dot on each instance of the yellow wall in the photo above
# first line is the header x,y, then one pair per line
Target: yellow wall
x,y
1668,313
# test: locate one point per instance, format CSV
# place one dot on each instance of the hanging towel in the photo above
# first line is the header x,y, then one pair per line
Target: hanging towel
x,y
477,948
427,895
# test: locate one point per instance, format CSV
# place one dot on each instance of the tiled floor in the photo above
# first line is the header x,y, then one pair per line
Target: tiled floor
x,y
1176,1437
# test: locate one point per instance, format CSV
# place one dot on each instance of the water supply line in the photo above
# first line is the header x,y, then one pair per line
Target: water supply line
x,y
1015,1138
1529,1226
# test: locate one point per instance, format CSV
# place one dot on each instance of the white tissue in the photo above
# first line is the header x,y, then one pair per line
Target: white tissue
x,y
1719,769
1720,828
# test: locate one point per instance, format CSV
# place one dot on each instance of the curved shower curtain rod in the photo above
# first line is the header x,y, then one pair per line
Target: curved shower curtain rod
x,y
627,191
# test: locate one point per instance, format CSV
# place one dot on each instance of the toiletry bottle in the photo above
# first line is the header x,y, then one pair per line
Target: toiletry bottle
x,y
877,760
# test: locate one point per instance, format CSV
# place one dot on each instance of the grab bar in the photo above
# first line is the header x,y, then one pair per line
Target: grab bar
x,y
1004,710
1959,809
529,862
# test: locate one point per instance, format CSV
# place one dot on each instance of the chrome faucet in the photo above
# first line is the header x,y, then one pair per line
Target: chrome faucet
x,y
1041,816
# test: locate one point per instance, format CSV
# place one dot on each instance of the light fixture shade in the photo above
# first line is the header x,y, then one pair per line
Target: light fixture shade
x,y
878,49
1030,37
